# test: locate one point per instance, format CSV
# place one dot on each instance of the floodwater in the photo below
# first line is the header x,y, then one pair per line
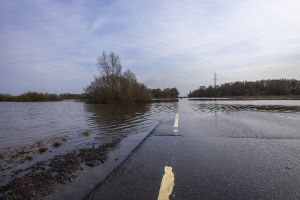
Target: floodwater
x,y
220,150
26,127
200,122
24,123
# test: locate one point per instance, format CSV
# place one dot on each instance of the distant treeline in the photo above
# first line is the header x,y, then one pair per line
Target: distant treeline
x,y
30,96
39,97
279,87
165,93
66,96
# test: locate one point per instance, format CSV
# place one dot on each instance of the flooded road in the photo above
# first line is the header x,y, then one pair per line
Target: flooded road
x,y
216,150
210,149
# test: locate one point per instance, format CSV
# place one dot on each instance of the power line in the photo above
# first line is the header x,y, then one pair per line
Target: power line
x,y
215,80
215,84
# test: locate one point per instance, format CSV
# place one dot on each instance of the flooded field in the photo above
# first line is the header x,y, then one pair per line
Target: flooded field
x,y
37,132
23,123
65,136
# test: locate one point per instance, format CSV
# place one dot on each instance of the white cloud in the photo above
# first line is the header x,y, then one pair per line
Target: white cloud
x,y
186,40
98,23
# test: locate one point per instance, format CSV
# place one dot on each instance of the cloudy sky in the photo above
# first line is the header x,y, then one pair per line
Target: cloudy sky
x,y
52,46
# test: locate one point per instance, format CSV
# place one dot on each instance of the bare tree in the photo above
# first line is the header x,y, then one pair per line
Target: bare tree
x,y
110,64
111,69
114,86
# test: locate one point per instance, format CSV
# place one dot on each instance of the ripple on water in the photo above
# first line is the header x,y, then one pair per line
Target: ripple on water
x,y
212,107
24,123
23,126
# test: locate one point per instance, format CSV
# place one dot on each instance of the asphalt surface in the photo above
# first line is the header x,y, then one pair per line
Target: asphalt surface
x,y
214,154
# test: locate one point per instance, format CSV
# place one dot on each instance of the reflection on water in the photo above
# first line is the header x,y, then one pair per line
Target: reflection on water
x,y
26,127
231,106
251,102
251,120
109,121
25,123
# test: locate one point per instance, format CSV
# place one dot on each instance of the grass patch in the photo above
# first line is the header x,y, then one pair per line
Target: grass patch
x,y
85,133
20,151
43,149
56,144
29,157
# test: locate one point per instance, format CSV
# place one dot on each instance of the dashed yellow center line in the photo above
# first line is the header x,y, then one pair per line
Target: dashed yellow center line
x,y
167,184
175,126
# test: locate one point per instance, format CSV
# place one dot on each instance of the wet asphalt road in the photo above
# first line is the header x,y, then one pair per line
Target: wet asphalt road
x,y
214,155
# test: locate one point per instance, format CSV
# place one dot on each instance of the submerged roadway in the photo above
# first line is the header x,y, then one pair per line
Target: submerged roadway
x,y
212,153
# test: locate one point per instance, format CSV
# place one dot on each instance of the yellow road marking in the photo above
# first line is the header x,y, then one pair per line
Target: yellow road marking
x,y
167,184
176,121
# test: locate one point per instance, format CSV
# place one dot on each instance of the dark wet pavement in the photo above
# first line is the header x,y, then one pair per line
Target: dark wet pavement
x,y
216,154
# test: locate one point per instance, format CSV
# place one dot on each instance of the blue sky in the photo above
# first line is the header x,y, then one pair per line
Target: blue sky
x,y
52,46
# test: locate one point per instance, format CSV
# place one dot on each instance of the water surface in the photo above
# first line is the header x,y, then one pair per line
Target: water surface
x,y
24,123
